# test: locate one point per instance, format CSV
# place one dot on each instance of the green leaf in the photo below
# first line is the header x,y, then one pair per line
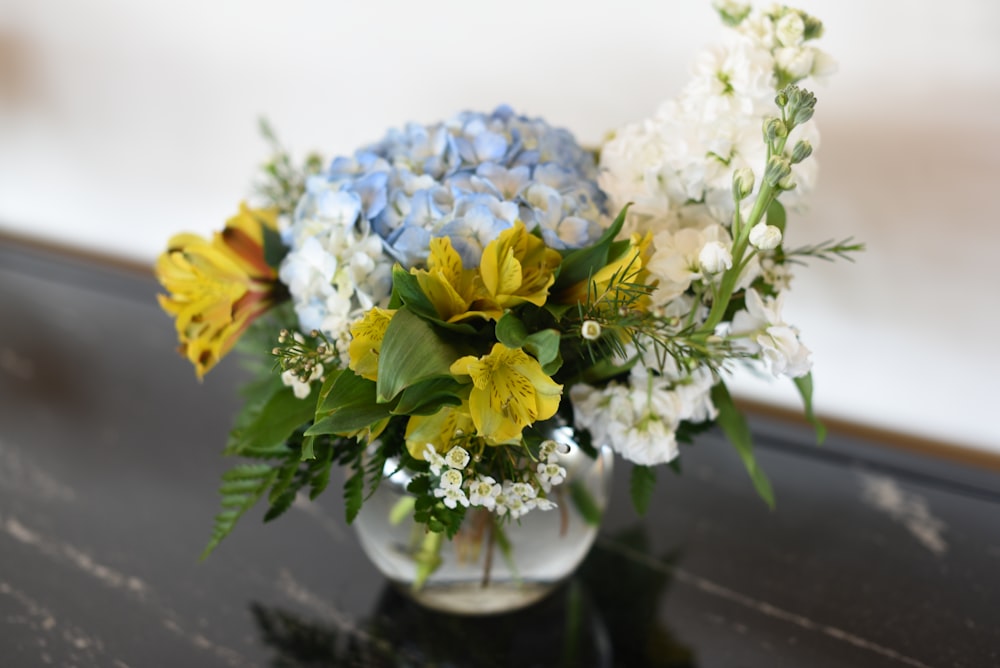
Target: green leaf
x,y
412,351
242,486
543,344
641,485
427,397
776,215
584,502
406,291
274,249
579,265
736,429
319,472
264,430
352,406
805,387
354,492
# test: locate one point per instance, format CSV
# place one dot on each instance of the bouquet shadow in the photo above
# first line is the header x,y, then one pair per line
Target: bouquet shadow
x,y
605,616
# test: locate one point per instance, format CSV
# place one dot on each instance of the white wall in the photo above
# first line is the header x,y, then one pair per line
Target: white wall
x,y
123,121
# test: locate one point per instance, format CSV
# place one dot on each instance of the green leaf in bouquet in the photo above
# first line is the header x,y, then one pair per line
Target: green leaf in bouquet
x,y
805,387
354,491
241,487
262,429
543,344
274,248
349,407
776,215
427,397
641,485
736,429
580,264
412,351
406,292
584,502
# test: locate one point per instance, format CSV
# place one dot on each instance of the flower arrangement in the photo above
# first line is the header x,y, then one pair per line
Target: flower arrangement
x,y
429,303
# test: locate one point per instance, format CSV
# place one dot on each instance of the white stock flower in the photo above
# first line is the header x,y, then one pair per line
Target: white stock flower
x,y
676,258
715,258
790,29
761,329
764,236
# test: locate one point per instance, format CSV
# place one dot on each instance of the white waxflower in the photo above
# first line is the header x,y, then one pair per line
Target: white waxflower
x,y
523,490
715,258
435,460
760,329
764,236
452,497
590,330
457,457
301,388
544,504
451,479
551,473
484,491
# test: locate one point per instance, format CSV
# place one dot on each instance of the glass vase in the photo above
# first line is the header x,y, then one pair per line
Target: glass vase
x,y
490,566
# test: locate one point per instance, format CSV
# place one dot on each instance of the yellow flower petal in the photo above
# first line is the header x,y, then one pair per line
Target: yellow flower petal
x,y
366,341
510,391
518,267
217,288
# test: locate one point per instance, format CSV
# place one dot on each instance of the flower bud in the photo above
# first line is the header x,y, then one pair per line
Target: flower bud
x,y
803,149
590,330
778,168
765,237
715,258
773,129
743,182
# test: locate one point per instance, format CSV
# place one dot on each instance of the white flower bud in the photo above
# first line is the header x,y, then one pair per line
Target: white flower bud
x,y
790,29
743,182
590,330
715,258
764,236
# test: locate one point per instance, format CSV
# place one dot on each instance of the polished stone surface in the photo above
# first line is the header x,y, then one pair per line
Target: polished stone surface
x,y
109,464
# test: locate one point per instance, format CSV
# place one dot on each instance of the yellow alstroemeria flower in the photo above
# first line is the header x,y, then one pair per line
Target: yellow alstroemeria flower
x,y
438,430
629,267
510,391
217,287
453,290
518,267
366,341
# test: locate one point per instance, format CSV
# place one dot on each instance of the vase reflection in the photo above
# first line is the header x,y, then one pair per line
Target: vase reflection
x,y
605,616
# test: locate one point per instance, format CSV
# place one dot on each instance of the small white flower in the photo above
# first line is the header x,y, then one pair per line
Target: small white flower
x,y
484,492
452,497
590,330
551,473
301,388
544,504
432,457
764,236
457,457
715,258
524,490
451,479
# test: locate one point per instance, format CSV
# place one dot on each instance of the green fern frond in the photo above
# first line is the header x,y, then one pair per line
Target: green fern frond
x,y
241,488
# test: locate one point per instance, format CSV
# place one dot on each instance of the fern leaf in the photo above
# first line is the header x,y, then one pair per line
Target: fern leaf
x,y
241,488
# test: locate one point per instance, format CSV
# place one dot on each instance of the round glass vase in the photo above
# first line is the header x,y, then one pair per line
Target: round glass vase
x,y
490,566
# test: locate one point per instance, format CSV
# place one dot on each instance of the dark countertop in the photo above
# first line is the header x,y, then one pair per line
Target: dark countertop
x,y
109,466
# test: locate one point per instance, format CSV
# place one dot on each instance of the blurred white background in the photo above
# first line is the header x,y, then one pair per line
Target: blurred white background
x,y
122,122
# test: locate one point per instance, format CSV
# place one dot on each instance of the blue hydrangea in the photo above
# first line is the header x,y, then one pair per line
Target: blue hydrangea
x,y
468,178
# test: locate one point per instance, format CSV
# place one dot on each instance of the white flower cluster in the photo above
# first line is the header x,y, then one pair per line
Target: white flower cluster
x,y
639,418
456,487
679,169
688,151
